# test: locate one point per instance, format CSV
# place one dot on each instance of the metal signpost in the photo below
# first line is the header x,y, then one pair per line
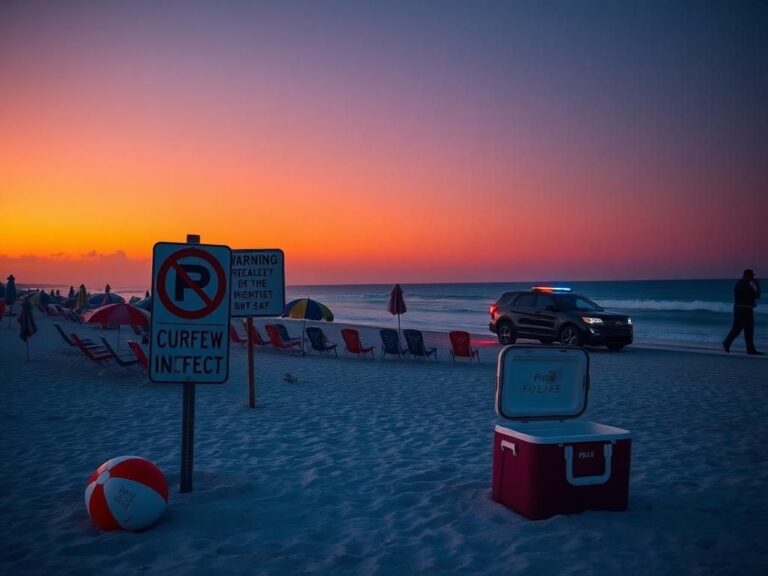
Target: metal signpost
x,y
190,326
258,289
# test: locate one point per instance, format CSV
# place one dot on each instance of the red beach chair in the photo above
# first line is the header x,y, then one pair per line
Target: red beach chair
x,y
277,340
255,335
461,346
352,342
235,337
97,354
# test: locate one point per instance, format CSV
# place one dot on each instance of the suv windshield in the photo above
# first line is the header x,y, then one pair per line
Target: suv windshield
x,y
574,302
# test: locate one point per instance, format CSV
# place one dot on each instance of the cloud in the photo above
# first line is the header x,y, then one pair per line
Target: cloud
x,y
93,269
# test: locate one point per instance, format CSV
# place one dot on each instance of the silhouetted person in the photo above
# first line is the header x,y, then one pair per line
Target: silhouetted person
x,y
746,291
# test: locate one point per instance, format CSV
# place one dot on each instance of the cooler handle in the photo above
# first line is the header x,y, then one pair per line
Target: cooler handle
x,y
588,480
509,446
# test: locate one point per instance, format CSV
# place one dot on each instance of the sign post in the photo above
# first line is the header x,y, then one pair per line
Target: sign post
x,y
190,326
258,289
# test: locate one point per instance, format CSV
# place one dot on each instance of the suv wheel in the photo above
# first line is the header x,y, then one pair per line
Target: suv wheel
x,y
570,335
506,334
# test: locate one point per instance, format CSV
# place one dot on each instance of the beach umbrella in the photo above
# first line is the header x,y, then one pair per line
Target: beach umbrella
x,y
144,304
81,300
118,314
307,309
40,297
10,296
104,298
71,293
27,325
396,304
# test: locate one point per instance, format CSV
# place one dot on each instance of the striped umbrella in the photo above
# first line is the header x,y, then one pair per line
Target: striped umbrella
x,y
307,309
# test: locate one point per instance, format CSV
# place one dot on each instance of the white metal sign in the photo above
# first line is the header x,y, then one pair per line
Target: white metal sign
x,y
190,313
258,283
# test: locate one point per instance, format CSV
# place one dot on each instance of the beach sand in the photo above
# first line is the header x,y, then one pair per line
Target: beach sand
x,y
374,467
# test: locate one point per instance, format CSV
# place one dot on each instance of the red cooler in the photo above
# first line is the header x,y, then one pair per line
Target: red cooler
x,y
547,463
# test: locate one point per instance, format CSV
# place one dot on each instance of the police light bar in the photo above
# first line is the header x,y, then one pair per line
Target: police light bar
x,y
551,289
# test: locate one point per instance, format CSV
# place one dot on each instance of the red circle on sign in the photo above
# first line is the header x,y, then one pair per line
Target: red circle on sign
x,y
211,303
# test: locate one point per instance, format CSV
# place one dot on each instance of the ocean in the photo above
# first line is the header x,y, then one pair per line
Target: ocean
x,y
681,312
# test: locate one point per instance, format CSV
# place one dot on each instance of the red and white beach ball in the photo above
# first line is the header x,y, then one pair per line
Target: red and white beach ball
x,y
126,493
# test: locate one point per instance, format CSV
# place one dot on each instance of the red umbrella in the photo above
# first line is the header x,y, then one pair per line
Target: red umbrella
x,y
119,313
396,304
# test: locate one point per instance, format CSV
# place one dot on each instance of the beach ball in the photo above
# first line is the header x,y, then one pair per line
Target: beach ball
x,y
126,493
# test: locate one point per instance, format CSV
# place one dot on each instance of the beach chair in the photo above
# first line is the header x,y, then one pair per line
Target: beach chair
x,y
235,337
284,333
68,341
276,339
319,342
138,351
255,335
461,346
390,343
97,354
121,360
352,342
415,343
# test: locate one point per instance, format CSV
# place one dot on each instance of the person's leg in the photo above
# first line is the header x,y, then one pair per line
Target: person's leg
x,y
735,330
749,331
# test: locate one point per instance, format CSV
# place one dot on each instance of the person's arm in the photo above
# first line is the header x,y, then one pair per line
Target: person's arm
x,y
756,282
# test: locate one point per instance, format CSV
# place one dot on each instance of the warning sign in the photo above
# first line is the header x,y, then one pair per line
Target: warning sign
x,y
258,283
190,315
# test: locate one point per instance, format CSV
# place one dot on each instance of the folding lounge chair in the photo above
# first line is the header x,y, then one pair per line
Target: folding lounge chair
x,y
255,335
122,360
235,337
319,342
415,343
352,342
284,333
461,346
138,351
96,354
277,341
390,343
68,341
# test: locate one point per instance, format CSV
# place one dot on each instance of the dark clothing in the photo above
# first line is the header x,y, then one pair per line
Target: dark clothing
x,y
743,319
744,296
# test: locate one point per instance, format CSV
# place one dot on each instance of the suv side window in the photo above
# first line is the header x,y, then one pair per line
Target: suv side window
x,y
525,301
506,298
544,300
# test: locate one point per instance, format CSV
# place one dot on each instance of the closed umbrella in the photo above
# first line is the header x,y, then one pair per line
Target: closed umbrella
x,y
119,314
27,325
396,304
81,299
10,296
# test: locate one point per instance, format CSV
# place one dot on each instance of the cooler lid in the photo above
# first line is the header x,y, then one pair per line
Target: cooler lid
x,y
541,383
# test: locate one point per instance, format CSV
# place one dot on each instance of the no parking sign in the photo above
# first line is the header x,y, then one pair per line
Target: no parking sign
x,y
190,315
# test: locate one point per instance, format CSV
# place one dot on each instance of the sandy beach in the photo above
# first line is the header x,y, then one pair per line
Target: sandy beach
x,y
374,467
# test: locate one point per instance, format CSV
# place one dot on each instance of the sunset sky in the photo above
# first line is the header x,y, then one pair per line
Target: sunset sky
x,y
386,142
